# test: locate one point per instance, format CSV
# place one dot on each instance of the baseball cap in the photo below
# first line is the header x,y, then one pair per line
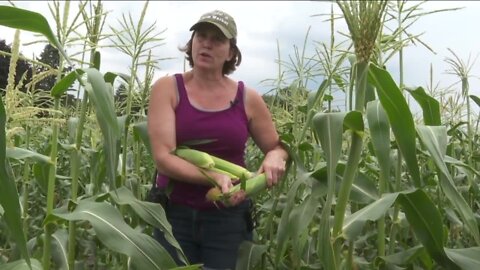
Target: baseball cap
x,y
220,19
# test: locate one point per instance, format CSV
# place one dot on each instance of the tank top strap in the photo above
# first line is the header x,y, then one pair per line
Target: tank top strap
x,y
240,92
181,91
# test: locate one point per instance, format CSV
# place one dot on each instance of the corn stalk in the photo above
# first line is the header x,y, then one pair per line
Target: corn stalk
x,y
93,27
134,41
364,19
49,228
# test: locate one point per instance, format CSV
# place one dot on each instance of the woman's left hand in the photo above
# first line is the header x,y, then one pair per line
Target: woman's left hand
x,y
273,166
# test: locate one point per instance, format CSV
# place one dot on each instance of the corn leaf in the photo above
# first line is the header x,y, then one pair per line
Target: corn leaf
x,y
30,21
60,248
421,213
399,116
285,224
429,105
152,213
62,86
329,129
26,20
302,215
459,164
40,173
476,99
21,153
435,140
364,190
22,265
110,77
466,258
98,170
140,133
110,228
102,96
353,224
380,135
123,122
72,126
426,222
403,258
353,121
249,254
9,195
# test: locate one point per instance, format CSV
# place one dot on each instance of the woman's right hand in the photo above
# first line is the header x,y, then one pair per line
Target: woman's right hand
x,y
222,181
225,183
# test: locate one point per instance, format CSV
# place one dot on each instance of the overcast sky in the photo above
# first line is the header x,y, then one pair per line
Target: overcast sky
x,y
262,24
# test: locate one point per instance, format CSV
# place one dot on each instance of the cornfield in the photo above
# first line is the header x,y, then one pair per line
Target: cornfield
x,y
370,186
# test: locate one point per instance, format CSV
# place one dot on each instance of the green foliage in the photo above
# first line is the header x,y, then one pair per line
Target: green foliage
x,y
8,193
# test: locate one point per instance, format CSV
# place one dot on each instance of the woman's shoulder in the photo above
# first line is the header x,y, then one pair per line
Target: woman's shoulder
x,y
254,103
251,94
165,88
164,80
166,83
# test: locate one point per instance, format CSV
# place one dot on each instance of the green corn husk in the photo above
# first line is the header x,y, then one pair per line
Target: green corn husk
x,y
207,161
254,186
239,171
215,169
198,158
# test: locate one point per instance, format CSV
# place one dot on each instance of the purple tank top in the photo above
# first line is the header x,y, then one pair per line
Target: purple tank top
x,y
229,130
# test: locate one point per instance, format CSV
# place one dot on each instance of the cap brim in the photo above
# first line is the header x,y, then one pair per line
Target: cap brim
x,y
225,32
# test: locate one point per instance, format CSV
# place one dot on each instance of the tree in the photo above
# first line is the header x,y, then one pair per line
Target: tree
x,y
51,57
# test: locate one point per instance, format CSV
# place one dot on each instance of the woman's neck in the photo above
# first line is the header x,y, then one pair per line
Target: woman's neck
x,y
208,79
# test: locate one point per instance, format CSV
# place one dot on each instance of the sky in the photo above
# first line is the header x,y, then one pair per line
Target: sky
x,y
266,28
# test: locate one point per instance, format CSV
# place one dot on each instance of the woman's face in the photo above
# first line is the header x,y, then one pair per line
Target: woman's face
x,y
210,48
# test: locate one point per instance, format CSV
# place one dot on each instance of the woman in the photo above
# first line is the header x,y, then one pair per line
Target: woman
x,y
205,104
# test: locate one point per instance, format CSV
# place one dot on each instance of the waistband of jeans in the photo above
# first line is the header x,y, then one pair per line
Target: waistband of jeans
x,y
245,205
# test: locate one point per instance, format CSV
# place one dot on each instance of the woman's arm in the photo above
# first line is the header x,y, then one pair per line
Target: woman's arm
x,y
161,130
265,136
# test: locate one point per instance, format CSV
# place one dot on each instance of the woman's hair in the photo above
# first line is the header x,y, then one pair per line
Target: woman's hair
x,y
228,67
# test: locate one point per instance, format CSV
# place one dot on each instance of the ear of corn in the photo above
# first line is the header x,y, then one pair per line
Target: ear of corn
x,y
198,158
254,185
251,184
214,194
206,161
232,176
239,171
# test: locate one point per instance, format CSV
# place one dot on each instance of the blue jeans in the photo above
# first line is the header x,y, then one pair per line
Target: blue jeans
x,y
210,237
